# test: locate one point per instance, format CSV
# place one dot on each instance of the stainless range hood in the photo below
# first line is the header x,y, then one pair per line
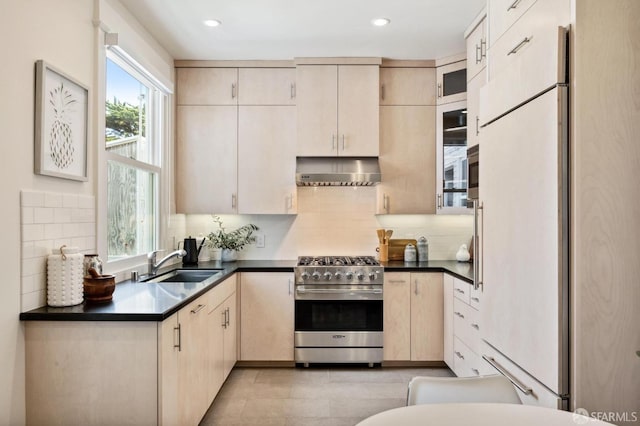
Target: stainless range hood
x,y
337,171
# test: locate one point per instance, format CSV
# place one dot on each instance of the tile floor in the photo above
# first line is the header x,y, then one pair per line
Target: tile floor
x,y
312,396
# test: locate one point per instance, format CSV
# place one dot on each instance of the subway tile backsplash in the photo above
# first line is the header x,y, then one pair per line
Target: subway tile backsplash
x,y
48,221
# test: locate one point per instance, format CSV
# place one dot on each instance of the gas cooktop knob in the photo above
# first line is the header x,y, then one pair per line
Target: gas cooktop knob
x,y
372,276
349,275
360,276
304,275
327,275
316,275
338,275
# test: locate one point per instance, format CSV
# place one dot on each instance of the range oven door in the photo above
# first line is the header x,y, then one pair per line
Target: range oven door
x,y
338,315
338,325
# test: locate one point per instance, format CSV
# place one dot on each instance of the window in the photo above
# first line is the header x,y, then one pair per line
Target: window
x,y
134,123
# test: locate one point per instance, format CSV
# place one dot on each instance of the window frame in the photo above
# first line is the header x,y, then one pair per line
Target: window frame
x,y
158,129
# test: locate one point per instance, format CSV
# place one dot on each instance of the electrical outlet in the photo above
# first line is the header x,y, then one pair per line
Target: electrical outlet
x,y
260,240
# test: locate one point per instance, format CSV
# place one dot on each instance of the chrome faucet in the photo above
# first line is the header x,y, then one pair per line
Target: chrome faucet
x,y
151,260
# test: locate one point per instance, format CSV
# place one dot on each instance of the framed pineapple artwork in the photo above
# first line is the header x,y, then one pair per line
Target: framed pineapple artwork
x,y
61,124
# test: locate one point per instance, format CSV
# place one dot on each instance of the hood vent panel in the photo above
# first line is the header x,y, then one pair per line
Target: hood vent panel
x,y
337,171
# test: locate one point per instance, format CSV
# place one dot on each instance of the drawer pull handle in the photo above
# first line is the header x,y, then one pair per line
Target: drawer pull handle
x,y
517,383
459,355
197,309
459,291
519,46
476,326
475,371
475,299
397,281
514,5
459,314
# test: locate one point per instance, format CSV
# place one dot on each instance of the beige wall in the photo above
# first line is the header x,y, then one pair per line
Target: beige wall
x,y
62,33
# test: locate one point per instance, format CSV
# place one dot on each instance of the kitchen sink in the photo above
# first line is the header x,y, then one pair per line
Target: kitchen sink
x,y
186,276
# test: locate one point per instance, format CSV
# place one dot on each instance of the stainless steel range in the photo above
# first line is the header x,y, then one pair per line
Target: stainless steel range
x,y
338,310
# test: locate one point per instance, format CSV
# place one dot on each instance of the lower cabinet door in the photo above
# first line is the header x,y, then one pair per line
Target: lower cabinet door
x,y
266,325
427,318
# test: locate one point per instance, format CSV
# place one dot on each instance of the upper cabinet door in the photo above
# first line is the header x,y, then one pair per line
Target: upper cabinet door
x,y
207,86
267,86
267,159
451,82
358,110
206,159
407,86
317,105
503,14
477,50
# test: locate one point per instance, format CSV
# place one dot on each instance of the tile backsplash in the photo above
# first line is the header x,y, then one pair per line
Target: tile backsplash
x,y
49,220
339,220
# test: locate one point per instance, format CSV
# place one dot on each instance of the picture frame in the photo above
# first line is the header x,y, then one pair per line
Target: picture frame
x,y
61,124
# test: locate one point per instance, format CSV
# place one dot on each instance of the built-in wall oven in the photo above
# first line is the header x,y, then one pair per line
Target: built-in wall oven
x,y
338,310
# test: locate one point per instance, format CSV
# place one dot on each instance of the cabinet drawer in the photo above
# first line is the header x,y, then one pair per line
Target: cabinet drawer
x,y
461,290
461,355
532,38
540,394
475,296
474,340
503,14
527,60
461,317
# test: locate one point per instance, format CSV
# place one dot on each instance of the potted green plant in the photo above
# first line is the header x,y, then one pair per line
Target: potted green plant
x,y
231,241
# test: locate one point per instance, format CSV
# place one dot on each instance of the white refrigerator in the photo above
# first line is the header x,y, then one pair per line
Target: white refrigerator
x,y
523,220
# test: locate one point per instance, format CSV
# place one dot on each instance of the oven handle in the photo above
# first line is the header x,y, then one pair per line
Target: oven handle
x,y
338,291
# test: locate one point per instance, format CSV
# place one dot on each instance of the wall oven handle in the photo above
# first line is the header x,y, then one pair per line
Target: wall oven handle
x,y
338,291
517,383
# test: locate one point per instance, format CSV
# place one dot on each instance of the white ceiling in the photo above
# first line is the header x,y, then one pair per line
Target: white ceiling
x,y
286,29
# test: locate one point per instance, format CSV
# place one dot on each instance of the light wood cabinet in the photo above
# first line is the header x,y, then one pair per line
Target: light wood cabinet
x,y
427,317
338,110
447,312
451,82
83,372
130,373
422,340
476,49
407,86
193,362
503,14
206,159
207,86
267,160
462,330
222,334
473,107
407,160
476,75
267,321
397,317
267,86
514,286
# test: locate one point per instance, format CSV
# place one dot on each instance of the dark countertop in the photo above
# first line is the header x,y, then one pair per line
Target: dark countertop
x,y
140,301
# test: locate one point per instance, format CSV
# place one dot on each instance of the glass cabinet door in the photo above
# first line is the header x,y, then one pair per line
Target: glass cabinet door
x,y
451,82
452,181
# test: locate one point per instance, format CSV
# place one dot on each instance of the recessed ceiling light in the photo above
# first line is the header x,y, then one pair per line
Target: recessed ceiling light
x,y
380,22
212,22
